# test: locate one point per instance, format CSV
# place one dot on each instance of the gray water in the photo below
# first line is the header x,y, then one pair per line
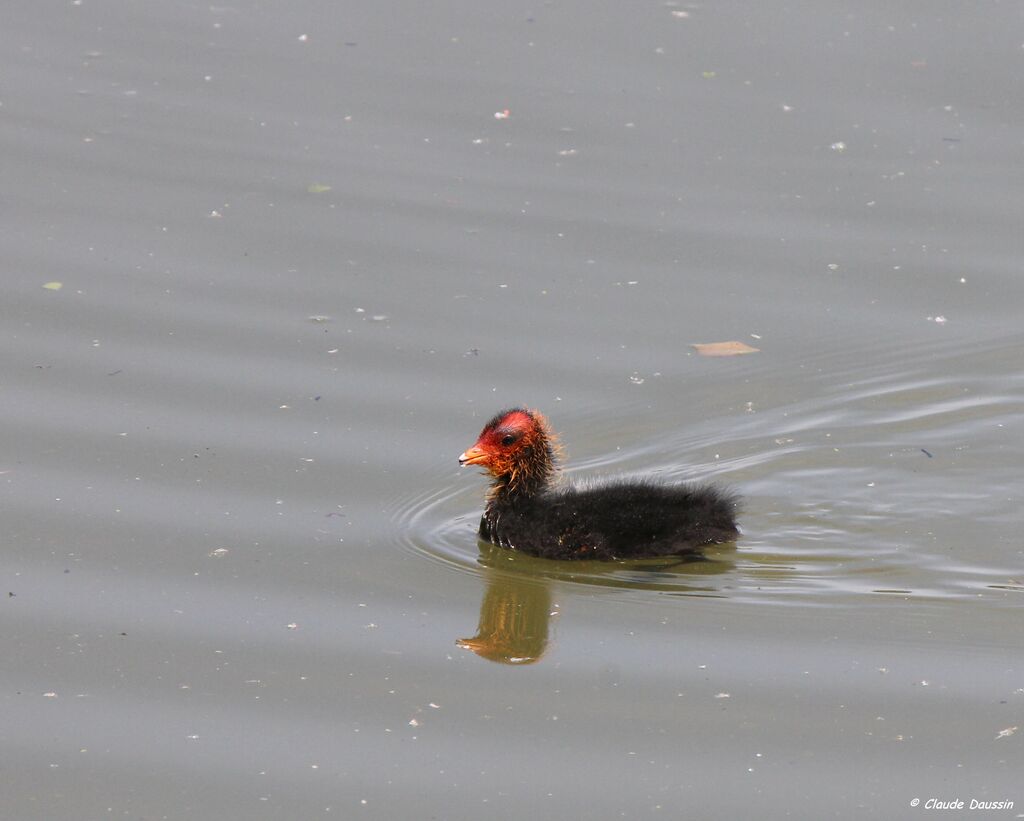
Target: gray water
x,y
301,262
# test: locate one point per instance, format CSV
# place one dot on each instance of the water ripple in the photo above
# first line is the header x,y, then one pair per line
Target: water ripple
x,y
440,525
868,491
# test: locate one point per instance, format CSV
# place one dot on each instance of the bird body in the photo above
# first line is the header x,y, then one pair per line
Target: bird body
x,y
529,509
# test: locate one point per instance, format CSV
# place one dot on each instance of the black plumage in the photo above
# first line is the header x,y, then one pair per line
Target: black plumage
x,y
530,510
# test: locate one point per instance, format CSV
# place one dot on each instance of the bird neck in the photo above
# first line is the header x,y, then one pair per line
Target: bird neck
x,y
527,477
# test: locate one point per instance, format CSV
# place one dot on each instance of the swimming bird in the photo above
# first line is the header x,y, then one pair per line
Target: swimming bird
x,y
531,509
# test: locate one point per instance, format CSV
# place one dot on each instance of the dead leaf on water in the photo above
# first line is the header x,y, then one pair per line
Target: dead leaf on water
x,y
318,188
53,286
731,348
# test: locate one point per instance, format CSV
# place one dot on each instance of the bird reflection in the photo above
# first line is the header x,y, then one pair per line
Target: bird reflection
x,y
514,619
516,611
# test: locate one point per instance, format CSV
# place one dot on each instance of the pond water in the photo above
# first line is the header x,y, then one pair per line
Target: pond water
x,y
270,268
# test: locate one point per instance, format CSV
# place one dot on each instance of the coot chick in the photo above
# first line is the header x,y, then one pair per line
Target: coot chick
x,y
529,510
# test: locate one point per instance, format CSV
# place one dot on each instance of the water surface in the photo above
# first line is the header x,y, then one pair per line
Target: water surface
x,y
302,262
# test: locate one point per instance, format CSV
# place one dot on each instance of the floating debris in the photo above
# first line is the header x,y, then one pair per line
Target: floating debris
x,y
730,348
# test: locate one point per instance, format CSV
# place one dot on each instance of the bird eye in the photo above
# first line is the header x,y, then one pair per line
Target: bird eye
x,y
508,439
